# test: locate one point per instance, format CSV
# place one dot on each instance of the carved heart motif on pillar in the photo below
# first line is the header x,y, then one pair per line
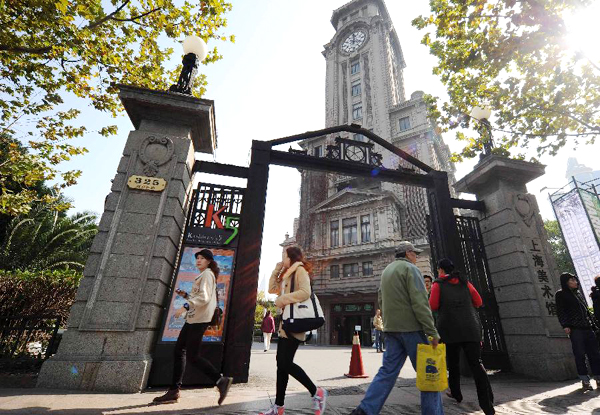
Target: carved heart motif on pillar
x,y
524,208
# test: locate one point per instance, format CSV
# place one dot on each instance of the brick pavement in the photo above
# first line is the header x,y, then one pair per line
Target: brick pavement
x,y
326,366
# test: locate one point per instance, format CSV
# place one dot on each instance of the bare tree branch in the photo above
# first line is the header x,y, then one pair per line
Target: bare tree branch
x,y
107,17
133,19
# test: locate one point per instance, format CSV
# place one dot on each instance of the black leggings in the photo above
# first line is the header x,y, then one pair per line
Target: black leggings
x,y
188,348
482,383
286,350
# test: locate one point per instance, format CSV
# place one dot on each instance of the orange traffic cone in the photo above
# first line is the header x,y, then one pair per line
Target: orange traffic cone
x,y
356,364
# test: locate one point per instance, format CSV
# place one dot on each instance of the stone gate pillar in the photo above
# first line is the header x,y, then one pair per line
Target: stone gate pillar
x,y
522,268
114,322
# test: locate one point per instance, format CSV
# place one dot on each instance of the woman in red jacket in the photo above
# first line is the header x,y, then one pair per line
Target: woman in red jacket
x,y
268,328
455,299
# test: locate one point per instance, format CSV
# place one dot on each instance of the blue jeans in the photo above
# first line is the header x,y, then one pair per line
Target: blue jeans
x,y
378,340
583,342
398,347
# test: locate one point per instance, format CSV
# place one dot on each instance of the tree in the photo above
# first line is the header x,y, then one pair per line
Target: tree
x,y
559,249
511,55
50,49
47,240
22,183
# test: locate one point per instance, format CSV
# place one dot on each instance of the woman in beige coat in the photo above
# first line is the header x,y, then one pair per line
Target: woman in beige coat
x,y
198,310
293,267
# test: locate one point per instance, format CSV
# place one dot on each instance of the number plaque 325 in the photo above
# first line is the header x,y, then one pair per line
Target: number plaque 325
x,y
155,184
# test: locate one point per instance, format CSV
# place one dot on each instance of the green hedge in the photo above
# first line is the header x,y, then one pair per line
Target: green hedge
x,y
38,293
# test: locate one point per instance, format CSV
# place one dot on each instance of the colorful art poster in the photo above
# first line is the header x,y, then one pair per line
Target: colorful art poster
x,y
184,280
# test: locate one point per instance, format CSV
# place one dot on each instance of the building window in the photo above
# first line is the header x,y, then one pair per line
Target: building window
x,y
359,137
357,111
334,271
365,228
335,233
367,268
350,270
404,123
349,230
318,151
356,88
354,67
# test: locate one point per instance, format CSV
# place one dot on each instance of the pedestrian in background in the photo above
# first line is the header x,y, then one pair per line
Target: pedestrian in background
x,y
455,300
268,328
293,267
378,325
595,296
575,318
198,310
407,320
428,282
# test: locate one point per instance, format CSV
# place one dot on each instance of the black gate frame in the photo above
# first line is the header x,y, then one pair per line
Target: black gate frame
x,y
238,343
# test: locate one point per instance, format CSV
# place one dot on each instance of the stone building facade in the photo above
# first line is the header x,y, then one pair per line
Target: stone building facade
x,y
349,226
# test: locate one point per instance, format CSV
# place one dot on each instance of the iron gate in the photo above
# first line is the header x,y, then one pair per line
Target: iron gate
x,y
494,352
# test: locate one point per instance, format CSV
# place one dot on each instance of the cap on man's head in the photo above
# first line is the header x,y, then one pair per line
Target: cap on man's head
x,y
206,253
406,246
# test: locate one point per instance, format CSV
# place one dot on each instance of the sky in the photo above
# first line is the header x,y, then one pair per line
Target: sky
x,y
271,84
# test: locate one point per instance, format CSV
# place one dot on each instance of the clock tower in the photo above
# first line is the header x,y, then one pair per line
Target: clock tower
x,y
348,226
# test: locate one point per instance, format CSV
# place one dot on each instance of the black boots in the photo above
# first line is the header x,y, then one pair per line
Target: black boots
x,y
172,396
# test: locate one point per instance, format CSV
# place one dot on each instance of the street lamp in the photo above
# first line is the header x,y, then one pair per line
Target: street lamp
x,y
483,114
195,50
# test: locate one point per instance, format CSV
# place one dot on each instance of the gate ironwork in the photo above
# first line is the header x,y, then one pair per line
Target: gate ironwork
x,y
352,160
494,354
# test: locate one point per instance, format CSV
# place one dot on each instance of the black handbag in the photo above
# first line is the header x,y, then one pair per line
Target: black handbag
x,y
218,314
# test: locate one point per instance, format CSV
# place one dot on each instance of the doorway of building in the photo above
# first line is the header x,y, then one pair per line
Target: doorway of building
x,y
351,318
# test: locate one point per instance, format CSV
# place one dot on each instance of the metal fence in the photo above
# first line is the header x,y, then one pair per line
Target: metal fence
x,y
28,336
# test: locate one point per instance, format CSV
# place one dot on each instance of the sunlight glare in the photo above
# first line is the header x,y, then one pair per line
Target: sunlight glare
x,y
584,31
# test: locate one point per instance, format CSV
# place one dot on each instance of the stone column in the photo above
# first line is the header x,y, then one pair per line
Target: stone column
x,y
522,268
114,322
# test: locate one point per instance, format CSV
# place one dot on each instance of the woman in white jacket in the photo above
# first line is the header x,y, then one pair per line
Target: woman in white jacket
x,y
198,310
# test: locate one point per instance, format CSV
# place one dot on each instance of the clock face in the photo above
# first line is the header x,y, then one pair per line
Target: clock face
x,y
355,153
354,41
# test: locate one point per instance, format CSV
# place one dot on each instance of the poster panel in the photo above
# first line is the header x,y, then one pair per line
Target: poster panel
x,y
579,238
184,280
591,204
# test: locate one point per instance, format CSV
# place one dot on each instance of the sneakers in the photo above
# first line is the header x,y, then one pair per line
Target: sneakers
x,y
274,410
586,385
223,385
172,396
320,401
358,411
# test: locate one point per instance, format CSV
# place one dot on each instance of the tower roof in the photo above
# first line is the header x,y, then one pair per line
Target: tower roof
x,y
356,4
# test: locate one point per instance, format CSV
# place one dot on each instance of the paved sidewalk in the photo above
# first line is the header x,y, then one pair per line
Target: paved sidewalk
x,y
326,366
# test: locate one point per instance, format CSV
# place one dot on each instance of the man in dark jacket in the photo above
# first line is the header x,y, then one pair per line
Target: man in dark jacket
x,y
595,296
576,320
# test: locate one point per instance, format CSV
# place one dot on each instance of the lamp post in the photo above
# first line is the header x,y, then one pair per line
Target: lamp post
x,y
195,50
482,114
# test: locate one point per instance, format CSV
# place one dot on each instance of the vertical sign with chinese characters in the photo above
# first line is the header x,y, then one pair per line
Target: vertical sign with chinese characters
x,y
544,285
